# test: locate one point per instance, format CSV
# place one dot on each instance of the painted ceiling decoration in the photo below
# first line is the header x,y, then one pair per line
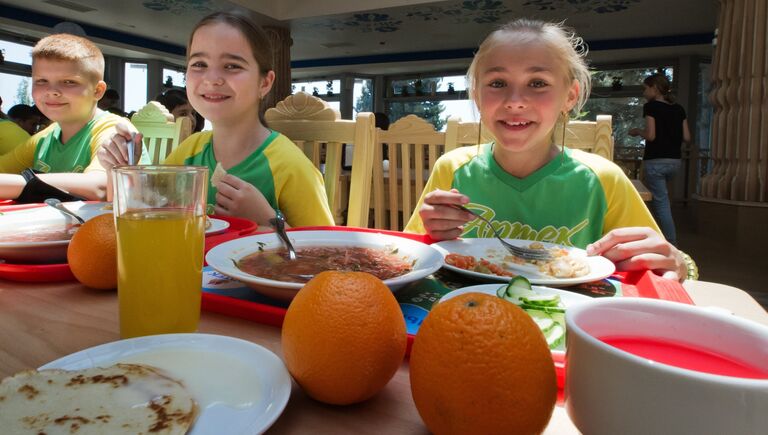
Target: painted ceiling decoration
x,y
179,7
465,12
581,6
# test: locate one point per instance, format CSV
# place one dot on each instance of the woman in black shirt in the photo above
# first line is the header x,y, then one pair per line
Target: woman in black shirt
x,y
666,128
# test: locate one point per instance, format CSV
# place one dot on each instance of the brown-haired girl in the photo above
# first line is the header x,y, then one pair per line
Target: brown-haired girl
x,y
229,72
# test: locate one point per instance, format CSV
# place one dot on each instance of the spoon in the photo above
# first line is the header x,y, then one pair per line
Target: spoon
x,y
55,203
279,224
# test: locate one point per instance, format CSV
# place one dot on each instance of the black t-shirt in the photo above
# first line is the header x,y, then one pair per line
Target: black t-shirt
x,y
669,130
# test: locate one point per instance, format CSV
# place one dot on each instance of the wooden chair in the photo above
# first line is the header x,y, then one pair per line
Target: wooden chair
x,y
161,133
413,147
317,128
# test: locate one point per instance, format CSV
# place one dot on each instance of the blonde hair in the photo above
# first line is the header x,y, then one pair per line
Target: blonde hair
x,y
63,46
569,48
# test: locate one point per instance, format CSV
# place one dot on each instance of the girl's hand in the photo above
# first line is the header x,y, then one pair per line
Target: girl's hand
x,y
640,248
441,220
239,198
114,151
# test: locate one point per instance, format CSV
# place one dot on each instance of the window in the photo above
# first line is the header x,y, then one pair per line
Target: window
x,y
327,90
362,95
434,98
17,53
174,78
15,89
135,92
619,93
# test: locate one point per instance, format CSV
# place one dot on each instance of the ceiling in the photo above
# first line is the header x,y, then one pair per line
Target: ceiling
x,y
378,36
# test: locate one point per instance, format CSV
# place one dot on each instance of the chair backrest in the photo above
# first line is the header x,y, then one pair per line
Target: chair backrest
x,y
317,128
412,147
161,133
413,143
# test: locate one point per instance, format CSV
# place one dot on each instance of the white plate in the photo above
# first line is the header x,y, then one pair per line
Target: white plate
x,y
43,217
217,226
568,299
224,256
217,418
492,250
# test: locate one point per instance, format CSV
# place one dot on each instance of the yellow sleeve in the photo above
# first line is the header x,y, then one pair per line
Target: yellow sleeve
x,y
191,146
440,178
625,208
299,186
22,156
103,130
11,136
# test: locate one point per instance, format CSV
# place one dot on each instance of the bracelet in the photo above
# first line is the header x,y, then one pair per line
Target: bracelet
x,y
693,269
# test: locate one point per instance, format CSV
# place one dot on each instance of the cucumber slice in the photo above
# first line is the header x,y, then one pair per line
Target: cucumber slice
x,y
545,300
518,287
543,320
544,308
501,291
555,336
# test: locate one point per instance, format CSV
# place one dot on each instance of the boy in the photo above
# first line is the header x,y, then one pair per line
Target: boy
x,y
67,83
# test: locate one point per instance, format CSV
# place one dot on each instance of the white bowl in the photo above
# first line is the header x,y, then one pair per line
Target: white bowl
x,y
611,391
224,256
48,218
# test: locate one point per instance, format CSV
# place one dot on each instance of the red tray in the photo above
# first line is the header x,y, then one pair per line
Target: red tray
x,y
238,227
637,284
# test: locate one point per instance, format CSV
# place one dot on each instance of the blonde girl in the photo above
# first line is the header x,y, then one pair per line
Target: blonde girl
x,y
229,72
527,77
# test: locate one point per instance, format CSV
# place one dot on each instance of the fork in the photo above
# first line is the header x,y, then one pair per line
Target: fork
x,y
518,251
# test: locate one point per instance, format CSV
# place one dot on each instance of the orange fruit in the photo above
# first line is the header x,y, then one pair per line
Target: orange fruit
x,y
343,337
479,364
92,253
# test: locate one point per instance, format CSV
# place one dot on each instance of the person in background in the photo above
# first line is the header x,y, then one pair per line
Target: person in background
x,y
110,100
525,78
67,82
175,100
666,128
42,120
11,135
2,114
254,171
25,116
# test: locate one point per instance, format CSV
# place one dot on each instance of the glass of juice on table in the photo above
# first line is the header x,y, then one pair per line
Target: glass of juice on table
x,y
160,220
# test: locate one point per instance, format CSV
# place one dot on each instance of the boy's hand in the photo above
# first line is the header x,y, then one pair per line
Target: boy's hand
x,y
114,151
640,248
441,220
239,198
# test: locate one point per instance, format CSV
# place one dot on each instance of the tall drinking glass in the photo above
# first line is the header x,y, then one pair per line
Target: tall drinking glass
x,y
160,219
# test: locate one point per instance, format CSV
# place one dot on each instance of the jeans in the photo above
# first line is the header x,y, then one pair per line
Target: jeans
x,y
657,173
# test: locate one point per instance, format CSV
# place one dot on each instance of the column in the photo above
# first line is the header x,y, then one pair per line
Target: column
x,y
740,98
280,38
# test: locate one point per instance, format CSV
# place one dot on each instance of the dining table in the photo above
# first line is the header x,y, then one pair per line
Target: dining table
x,y
41,322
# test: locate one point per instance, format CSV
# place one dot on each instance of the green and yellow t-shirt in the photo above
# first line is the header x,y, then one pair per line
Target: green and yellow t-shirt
x,y
278,168
11,135
45,153
573,200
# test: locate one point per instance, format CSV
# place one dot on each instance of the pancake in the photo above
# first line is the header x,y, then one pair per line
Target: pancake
x,y
218,174
120,399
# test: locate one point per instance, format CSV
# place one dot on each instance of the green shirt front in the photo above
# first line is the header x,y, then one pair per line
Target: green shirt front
x,y
46,153
573,200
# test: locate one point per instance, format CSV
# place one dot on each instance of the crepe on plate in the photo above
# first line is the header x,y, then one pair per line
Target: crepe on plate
x,y
123,398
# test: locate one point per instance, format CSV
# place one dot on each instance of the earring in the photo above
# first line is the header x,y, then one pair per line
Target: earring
x,y
565,125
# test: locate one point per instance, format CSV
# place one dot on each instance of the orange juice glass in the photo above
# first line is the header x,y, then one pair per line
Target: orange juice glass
x,y
160,220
